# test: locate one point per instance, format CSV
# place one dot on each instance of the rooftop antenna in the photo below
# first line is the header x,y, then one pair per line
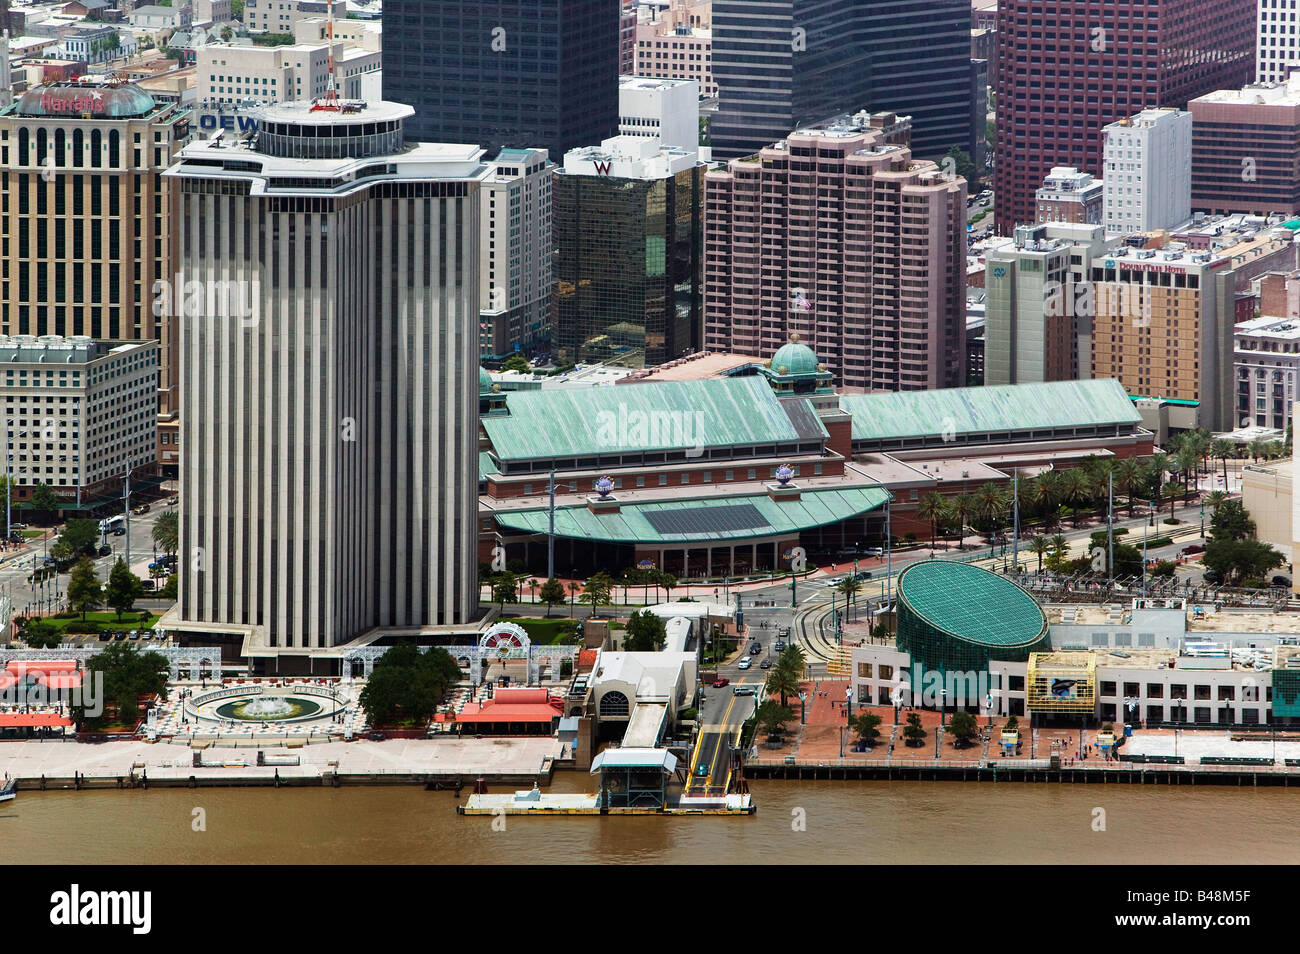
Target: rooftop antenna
x,y
331,99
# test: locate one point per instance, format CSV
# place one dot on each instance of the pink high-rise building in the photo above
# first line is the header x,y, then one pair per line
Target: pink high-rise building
x,y
840,236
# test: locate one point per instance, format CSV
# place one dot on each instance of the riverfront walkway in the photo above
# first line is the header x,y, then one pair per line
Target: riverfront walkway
x,y
446,757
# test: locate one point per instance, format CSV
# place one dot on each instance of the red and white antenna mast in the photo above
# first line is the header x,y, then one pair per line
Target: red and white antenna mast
x,y
331,99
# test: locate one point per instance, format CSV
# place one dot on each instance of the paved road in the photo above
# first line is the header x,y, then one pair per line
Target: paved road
x,y
16,568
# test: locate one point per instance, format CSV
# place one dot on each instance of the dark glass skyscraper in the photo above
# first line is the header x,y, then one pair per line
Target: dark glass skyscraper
x,y
627,257
780,64
505,73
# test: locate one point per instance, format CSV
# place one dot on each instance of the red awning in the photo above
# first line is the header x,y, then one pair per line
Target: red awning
x,y
36,720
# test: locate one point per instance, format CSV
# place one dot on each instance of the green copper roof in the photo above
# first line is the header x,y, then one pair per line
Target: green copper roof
x,y
486,466
688,521
632,418
484,382
795,358
1012,407
972,604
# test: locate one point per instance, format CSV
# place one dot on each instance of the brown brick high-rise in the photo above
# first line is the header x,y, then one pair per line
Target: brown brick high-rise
x,y
1066,68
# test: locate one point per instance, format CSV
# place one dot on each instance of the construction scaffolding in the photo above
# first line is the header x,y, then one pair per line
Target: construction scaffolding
x,y
1064,683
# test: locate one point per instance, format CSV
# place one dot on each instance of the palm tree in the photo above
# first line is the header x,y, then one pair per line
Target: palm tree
x,y
1039,546
1076,488
933,507
1157,464
1048,492
781,681
849,587
1173,490
1256,450
1188,463
1223,449
1059,546
991,505
964,505
1128,477
1214,498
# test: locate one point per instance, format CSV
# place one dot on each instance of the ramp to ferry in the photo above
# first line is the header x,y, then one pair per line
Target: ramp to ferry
x,y
646,727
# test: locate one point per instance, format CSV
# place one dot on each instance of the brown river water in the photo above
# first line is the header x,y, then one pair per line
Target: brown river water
x,y
826,822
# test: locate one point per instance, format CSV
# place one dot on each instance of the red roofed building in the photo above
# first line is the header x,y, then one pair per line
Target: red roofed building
x,y
510,712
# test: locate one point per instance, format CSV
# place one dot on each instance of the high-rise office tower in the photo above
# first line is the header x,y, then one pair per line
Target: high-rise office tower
x,y
1066,68
87,219
627,252
782,64
838,235
528,74
330,420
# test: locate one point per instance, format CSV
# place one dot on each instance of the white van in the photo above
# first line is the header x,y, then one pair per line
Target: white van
x,y
114,525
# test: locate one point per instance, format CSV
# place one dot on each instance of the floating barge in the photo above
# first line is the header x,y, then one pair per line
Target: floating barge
x,y
544,804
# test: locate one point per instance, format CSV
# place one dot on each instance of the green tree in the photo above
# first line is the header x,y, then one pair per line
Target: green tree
x,y
962,728
1238,560
166,531
505,589
516,363
407,686
168,592
551,593
84,590
1076,489
123,588
1231,522
913,732
646,633
961,165
666,580
80,535
772,716
237,9
44,501
60,552
40,634
867,726
597,591
127,674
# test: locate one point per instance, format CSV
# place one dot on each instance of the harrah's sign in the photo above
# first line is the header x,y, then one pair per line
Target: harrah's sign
x,y
55,102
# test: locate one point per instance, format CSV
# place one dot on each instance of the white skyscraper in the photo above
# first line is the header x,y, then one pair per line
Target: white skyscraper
x,y
1147,171
665,109
329,417
1277,44
516,281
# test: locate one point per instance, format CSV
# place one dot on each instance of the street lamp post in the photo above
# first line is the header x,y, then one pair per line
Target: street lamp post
x,y
943,707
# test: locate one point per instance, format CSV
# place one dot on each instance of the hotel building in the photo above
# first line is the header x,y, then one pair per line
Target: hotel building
x,y
516,274
87,221
627,240
841,236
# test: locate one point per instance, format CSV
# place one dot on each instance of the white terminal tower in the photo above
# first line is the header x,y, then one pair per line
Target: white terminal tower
x,y
329,485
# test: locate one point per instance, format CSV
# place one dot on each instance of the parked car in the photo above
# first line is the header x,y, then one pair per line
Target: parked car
x,y
105,550
721,682
17,526
766,663
377,737
873,552
746,690
862,575
1281,581
744,663
1193,548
